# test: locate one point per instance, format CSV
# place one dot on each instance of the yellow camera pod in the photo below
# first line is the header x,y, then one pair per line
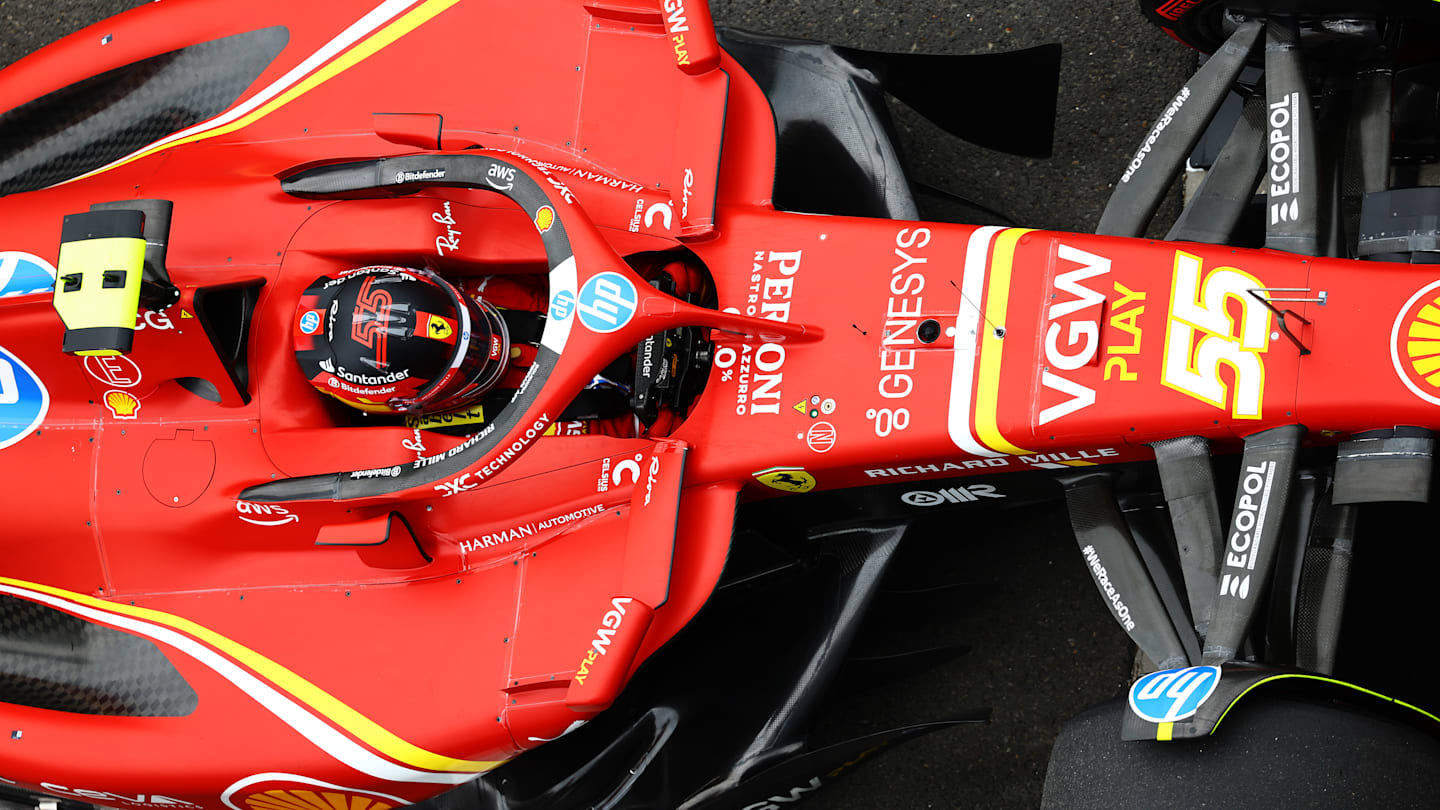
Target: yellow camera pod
x,y
97,289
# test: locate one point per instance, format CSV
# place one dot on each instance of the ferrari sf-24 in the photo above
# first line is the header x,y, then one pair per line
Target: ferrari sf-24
x,y
375,435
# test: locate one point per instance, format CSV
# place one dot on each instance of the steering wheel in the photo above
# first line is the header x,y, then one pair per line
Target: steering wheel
x,y
598,309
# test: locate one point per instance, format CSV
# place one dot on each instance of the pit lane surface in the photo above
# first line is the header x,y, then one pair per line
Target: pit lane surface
x,y
1044,647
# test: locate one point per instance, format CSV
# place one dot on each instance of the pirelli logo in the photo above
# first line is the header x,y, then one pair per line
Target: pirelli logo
x,y
1174,9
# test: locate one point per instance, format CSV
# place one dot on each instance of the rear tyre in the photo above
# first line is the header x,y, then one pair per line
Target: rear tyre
x,y
1201,23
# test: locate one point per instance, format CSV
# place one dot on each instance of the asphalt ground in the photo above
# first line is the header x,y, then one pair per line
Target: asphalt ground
x,y
1043,646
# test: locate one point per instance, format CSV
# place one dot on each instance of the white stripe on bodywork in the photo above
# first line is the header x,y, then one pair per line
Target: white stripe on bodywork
x,y
312,728
968,327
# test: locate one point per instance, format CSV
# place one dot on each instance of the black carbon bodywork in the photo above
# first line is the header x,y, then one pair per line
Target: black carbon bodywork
x,y
836,149
103,118
50,659
695,729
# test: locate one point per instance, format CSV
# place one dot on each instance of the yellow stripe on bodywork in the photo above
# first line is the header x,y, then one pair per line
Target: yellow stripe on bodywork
x,y
333,709
1322,679
341,63
1165,731
997,300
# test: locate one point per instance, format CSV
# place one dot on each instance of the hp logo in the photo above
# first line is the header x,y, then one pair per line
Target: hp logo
x,y
607,302
1174,694
561,305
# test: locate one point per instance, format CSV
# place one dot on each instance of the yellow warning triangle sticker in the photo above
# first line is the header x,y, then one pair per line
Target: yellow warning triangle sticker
x,y
185,314
800,406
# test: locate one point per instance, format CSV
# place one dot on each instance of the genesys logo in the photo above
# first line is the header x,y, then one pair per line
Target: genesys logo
x,y
24,401
1415,343
1173,694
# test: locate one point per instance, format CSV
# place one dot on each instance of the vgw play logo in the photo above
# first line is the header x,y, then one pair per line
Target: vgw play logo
x,y
23,399
1173,694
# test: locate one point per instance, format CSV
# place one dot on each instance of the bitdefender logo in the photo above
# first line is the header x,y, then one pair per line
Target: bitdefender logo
x,y
423,174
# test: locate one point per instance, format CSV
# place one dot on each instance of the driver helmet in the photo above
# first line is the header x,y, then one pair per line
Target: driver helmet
x,y
390,339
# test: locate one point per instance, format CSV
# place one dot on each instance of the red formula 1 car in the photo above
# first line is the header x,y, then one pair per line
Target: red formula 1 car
x,y
731,372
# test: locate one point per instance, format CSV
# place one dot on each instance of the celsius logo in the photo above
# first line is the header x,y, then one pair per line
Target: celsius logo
x,y
263,514
1415,344
23,399
562,305
1174,694
24,273
607,302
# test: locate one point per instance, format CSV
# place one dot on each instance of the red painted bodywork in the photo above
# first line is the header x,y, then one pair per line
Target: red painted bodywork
x,y
326,654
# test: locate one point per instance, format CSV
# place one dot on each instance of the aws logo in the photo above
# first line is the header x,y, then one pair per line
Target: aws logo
x,y
1415,343
264,514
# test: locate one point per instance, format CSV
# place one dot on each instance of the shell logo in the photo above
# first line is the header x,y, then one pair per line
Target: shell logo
x,y
121,404
281,791
544,218
279,799
1415,344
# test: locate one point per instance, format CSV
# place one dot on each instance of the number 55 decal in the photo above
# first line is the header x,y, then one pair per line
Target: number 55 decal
x,y
1204,333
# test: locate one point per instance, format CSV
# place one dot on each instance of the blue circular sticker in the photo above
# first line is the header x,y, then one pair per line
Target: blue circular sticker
x,y
1173,694
23,399
607,302
24,273
562,305
310,322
